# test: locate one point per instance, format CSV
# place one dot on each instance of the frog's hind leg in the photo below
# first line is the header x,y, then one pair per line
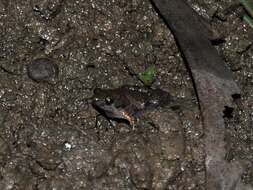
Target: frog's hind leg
x,y
143,120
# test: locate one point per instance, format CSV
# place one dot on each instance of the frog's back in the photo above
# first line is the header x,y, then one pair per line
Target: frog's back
x,y
145,98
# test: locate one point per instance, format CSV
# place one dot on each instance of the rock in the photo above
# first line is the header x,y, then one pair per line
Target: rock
x,y
42,69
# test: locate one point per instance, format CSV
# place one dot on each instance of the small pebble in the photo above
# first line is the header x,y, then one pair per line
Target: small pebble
x,y
42,69
67,146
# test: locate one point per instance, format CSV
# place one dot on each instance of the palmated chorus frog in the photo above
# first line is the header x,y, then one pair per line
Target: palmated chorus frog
x,y
128,102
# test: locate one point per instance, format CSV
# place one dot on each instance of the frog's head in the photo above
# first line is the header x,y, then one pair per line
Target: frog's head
x,y
109,103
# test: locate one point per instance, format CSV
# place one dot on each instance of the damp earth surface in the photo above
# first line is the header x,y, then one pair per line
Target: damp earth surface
x,y
53,54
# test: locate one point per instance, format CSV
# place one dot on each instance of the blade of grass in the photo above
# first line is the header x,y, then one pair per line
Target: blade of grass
x,y
148,76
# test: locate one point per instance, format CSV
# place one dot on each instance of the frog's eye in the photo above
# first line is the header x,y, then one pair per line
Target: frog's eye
x,y
108,100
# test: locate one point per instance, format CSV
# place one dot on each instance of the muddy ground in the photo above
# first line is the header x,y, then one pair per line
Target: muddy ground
x,y
50,135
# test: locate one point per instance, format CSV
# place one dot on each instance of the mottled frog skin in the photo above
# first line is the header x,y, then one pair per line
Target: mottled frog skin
x,y
127,102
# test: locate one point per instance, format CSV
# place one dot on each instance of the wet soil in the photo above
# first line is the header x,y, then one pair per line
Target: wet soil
x,y
52,138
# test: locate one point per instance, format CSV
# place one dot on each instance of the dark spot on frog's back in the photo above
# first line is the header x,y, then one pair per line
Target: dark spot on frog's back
x,y
160,97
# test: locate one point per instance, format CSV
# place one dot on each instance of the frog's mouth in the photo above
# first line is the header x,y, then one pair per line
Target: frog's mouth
x,y
109,111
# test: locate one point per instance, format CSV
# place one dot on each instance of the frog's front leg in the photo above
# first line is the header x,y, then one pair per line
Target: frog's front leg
x,y
99,121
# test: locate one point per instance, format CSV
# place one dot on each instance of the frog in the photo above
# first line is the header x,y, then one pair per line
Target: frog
x,y
127,103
